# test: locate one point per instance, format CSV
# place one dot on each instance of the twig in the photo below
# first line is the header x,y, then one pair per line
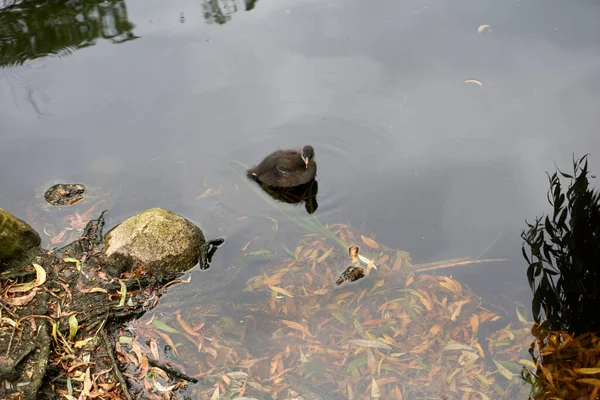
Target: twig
x,y
5,308
118,375
489,247
171,370
419,268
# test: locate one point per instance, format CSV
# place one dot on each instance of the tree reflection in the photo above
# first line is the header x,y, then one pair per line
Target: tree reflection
x,y
220,11
33,29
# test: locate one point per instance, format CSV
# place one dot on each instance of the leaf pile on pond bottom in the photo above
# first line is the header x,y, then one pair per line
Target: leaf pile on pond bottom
x,y
394,334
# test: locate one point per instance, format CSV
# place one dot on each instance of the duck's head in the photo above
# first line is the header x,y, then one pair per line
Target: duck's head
x,y
308,153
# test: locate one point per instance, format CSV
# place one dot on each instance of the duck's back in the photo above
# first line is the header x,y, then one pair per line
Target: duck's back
x,y
284,168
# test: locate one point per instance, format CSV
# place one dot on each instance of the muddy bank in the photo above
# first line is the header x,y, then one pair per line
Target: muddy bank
x,y
61,307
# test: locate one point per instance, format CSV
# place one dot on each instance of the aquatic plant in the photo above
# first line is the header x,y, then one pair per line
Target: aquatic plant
x,y
563,252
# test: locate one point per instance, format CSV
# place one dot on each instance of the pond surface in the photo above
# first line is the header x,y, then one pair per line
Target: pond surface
x,y
153,101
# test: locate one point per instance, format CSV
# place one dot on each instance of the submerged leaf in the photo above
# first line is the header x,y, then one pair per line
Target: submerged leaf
x,y
369,242
297,326
158,324
366,343
281,291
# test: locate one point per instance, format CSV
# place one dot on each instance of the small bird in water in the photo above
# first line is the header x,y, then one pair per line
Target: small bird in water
x,y
286,168
353,272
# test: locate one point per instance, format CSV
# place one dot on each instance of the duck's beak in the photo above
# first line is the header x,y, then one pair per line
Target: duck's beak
x,y
306,160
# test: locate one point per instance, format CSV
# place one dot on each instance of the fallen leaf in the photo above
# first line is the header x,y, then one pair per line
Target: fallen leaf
x,y
22,300
591,371
94,290
163,327
369,242
325,255
374,389
366,343
297,326
503,370
281,291
40,279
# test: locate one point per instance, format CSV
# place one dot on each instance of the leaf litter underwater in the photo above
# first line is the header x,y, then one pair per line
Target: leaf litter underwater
x,y
396,333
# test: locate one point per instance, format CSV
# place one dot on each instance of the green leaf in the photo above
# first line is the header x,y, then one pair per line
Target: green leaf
x,y
163,327
123,293
73,326
339,316
73,260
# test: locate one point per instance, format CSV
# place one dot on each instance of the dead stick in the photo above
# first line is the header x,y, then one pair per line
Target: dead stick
x,y
117,371
457,264
171,370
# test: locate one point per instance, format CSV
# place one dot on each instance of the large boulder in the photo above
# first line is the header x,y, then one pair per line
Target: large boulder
x,y
163,244
18,240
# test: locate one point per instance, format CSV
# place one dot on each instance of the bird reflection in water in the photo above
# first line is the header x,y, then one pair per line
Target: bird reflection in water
x,y
306,194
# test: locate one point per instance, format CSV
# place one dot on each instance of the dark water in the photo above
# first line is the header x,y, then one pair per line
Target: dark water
x,y
152,100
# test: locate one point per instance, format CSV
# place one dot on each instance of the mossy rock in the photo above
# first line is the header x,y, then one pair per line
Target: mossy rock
x,y
159,241
17,239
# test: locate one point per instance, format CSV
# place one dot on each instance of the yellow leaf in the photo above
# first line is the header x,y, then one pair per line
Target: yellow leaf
x,y
374,389
590,381
40,279
324,256
81,343
503,370
520,317
281,291
369,242
590,371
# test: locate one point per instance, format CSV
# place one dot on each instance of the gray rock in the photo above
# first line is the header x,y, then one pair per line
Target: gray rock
x,y
160,242
18,240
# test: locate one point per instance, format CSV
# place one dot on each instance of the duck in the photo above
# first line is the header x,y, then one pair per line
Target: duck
x,y
286,168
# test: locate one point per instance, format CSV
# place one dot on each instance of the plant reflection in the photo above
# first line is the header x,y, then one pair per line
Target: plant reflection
x,y
34,29
220,11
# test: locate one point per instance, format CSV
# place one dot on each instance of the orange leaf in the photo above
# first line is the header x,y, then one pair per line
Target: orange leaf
x,y
297,326
369,242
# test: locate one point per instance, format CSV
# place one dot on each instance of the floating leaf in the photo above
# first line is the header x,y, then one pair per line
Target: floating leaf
x,y
483,28
474,81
